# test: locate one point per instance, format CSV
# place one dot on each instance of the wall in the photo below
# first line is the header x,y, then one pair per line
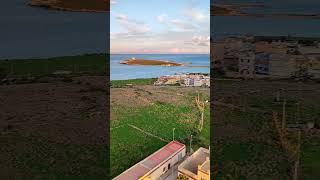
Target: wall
x,y
159,170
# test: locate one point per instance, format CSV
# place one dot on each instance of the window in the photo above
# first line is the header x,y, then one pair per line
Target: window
x,y
169,166
164,169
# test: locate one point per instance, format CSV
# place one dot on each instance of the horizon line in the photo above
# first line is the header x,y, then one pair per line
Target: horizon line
x,y
162,53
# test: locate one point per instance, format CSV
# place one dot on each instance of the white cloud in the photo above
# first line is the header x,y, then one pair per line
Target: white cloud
x,y
197,15
132,25
182,25
186,33
176,24
201,40
162,17
113,2
132,28
121,17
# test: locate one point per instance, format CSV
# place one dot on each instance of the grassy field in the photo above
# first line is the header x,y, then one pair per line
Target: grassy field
x,y
90,63
129,145
246,145
54,130
123,83
45,159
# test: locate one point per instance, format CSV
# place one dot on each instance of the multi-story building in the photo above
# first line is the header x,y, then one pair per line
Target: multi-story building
x,y
263,58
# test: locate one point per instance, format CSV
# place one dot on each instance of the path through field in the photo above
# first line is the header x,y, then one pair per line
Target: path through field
x,y
147,133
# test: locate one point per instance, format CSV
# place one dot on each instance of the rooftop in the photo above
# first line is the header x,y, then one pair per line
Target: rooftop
x,y
152,161
206,166
190,165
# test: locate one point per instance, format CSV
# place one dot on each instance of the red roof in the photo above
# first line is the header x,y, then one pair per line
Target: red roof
x,y
152,161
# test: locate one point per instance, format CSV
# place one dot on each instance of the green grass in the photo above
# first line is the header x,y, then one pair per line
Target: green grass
x,y
129,146
238,159
307,113
123,83
89,63
310,158
45,159
251,151
238,153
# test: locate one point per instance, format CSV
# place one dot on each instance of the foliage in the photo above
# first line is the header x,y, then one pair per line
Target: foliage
x,y
125,83
88,63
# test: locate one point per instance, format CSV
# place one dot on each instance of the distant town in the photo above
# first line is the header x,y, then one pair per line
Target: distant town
x,y
185,79
267,57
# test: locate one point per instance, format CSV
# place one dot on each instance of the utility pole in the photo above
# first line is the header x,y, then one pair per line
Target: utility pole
x,y
190,144
284,114
297,158
201,107
173,134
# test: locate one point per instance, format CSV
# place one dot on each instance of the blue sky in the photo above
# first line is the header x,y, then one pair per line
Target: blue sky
x,y
164,26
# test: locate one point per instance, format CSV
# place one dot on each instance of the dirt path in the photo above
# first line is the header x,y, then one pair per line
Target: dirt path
x,y
147,133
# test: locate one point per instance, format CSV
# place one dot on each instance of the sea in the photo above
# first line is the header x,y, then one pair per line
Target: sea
x,y
123,72
35,32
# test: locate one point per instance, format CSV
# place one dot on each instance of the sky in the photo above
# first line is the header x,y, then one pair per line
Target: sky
x,y
160,27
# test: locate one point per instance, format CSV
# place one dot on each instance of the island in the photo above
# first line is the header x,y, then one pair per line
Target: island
x,y
145,62
73,5
239,10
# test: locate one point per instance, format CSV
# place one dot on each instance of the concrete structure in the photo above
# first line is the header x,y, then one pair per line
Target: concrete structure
x,y
156,164
197,166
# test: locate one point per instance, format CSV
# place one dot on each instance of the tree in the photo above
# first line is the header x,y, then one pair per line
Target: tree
x,y
201,106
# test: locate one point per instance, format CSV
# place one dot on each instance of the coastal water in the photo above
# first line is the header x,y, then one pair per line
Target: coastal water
x,y
35,32
223,26
122,72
